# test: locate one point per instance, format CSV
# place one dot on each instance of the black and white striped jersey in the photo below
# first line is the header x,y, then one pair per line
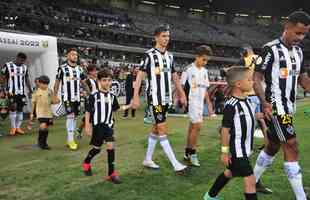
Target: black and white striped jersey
x,y
92,85
70,78
16,77
159,68
101,106
281,67
239,116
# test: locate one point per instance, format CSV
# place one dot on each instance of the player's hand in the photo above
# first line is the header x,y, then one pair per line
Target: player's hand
x,y
135,103
226,159
267,109
88,129
259,116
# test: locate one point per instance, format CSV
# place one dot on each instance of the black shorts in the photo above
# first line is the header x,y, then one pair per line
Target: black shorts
x,y
48,121
240,167
101,133
72,107
17,102
158,113
280,128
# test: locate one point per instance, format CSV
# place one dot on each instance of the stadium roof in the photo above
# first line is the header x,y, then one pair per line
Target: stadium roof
x,y
263,7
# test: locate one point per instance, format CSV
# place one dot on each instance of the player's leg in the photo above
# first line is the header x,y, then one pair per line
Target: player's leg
x,y
43,133
160,118
188,141
250,188
13,107
218,185
79,130
70,124
96,142
152,141
192,145
20,102
267,155
292,168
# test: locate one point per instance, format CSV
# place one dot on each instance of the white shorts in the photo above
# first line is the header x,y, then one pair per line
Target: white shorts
x,y
195,114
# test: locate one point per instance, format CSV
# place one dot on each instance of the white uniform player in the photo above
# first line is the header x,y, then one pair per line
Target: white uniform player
x,y
199,82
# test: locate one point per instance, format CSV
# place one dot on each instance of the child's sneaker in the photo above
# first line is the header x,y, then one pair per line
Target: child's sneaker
x,y
114,178
87,169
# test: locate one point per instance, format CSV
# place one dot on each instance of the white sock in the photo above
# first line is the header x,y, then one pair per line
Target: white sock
x,y
19,119
262,163
152,141
293,172
13,119
168,151
70,130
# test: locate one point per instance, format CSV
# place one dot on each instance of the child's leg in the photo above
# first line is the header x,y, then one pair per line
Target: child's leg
x,y
92,153
250,188
220,183
111,157
43,131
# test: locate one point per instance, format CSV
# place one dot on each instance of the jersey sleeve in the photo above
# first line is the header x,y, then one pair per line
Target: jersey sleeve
x,y
265,60
172,65
27,73
302,66
115,105
145,63
59,74
90,104
228,116
207,78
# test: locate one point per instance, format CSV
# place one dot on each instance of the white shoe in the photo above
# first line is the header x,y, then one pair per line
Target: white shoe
x,y
180,167
150,164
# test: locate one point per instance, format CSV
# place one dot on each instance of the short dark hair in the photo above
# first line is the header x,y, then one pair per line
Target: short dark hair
x,y
71,49
44,79
299,17
203,50
91,67
105,73
22,55
161,28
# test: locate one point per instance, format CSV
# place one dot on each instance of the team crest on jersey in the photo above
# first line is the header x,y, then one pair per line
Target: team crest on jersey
x,y
157,70
290,130
259,61
44,43
284,72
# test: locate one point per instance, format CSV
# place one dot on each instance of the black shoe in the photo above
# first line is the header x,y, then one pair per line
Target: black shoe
x,y
45,147
262,189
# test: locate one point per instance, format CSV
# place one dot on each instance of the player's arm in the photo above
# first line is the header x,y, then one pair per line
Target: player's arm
x,y
58,80
179,88
263,66
304,79
227,124
33,105
84,84
28,83
209,103
89,109
145,65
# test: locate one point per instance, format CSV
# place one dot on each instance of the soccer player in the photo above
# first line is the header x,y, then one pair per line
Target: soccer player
x,y
159,68
196,76
70,76
100,107
130,79
93,87
237,134
42,99
281,69
17,77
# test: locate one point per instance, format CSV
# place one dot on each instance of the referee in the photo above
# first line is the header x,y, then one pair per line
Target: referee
x,y
158,66
281,68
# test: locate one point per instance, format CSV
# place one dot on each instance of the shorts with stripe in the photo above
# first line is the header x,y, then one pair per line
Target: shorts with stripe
x,y
72,107
158,113
280,128
17,102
